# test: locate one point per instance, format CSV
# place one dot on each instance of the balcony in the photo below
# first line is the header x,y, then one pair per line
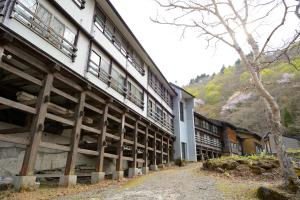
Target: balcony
x,y
215,144
168,125
80,3
29,18
101,74
161,93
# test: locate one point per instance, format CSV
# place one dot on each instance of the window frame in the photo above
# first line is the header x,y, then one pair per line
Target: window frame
x,y
181,111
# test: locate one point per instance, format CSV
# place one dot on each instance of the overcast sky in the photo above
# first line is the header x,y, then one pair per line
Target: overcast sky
x,y
178,59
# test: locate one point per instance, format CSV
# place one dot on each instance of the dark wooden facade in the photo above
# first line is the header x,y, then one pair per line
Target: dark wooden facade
x,y
41,96
208,136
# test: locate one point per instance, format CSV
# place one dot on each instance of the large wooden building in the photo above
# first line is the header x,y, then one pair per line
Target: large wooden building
x,y
79,94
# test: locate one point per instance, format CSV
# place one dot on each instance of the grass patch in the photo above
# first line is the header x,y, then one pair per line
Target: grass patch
x,y
237,190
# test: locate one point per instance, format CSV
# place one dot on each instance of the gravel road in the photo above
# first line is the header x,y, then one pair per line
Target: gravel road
x,y
172,184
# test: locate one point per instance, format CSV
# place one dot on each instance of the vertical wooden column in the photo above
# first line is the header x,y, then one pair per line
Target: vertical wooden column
x,y
134,165
162,150
168,151
119,166
37,127
154,148
72,155
146,148
101,140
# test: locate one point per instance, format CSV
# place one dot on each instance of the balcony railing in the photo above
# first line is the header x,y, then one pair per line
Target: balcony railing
x,y
159,119
101,74
101,26
32,21
209,142
134,99
160,92
80,3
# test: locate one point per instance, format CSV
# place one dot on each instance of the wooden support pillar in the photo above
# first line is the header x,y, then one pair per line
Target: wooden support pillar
x,y
154,160
37,127
146,148
99,175
101,140
119,166
162,150
168,151
75,137
135,137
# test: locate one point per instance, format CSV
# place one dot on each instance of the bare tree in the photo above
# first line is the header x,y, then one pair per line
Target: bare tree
x,y
237,24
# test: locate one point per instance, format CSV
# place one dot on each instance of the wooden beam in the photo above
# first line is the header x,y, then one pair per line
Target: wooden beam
x,y
168,151
68,82
134,150
146,148
154,148
119,166
20,73
28,58
72,155
162,150
17,105
101,140
15,140
37,127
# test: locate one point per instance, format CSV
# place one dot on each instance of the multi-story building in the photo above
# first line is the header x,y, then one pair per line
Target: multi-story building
x,y
208,137
78,91
184,145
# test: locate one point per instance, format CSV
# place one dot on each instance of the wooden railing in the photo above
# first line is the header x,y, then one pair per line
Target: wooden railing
x,y
160,92
80,3
101,74
159,119
117,44
206,141
32,21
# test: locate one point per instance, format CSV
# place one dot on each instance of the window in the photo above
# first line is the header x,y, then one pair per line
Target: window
x,y
135,94
158,113
183,150
44,18
30,4
112,34
100,20
181,112
35,16
118,81
80,3
99,65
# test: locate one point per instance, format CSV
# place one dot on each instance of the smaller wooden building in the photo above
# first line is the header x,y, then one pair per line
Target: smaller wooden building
x,y
250,141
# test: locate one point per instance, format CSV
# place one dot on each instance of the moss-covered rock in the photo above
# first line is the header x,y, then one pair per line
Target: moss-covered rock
x,y
265,193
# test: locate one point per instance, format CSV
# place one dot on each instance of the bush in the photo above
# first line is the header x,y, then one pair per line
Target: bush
x,y
180,162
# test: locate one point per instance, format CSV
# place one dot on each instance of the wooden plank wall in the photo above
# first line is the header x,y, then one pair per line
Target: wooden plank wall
x,y
105,107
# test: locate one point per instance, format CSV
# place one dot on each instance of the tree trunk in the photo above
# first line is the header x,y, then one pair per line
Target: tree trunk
x,y
287,169
288,172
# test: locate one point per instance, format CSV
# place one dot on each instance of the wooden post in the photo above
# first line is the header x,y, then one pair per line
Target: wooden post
x,y
37,127
146,148
168,151
134,165
154,147
72,155
101,140
119,166
162,150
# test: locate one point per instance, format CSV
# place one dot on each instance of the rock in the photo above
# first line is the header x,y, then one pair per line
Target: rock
x,y
257,170
230,165
264,193
220,170
266,165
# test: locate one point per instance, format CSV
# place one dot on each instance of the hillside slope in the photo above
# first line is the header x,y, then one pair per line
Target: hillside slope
x,y
229,96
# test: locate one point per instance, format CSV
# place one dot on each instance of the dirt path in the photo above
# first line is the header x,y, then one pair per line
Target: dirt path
x,y
173,184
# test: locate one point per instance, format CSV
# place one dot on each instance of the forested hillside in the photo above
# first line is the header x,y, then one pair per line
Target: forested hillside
x,y
229,95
